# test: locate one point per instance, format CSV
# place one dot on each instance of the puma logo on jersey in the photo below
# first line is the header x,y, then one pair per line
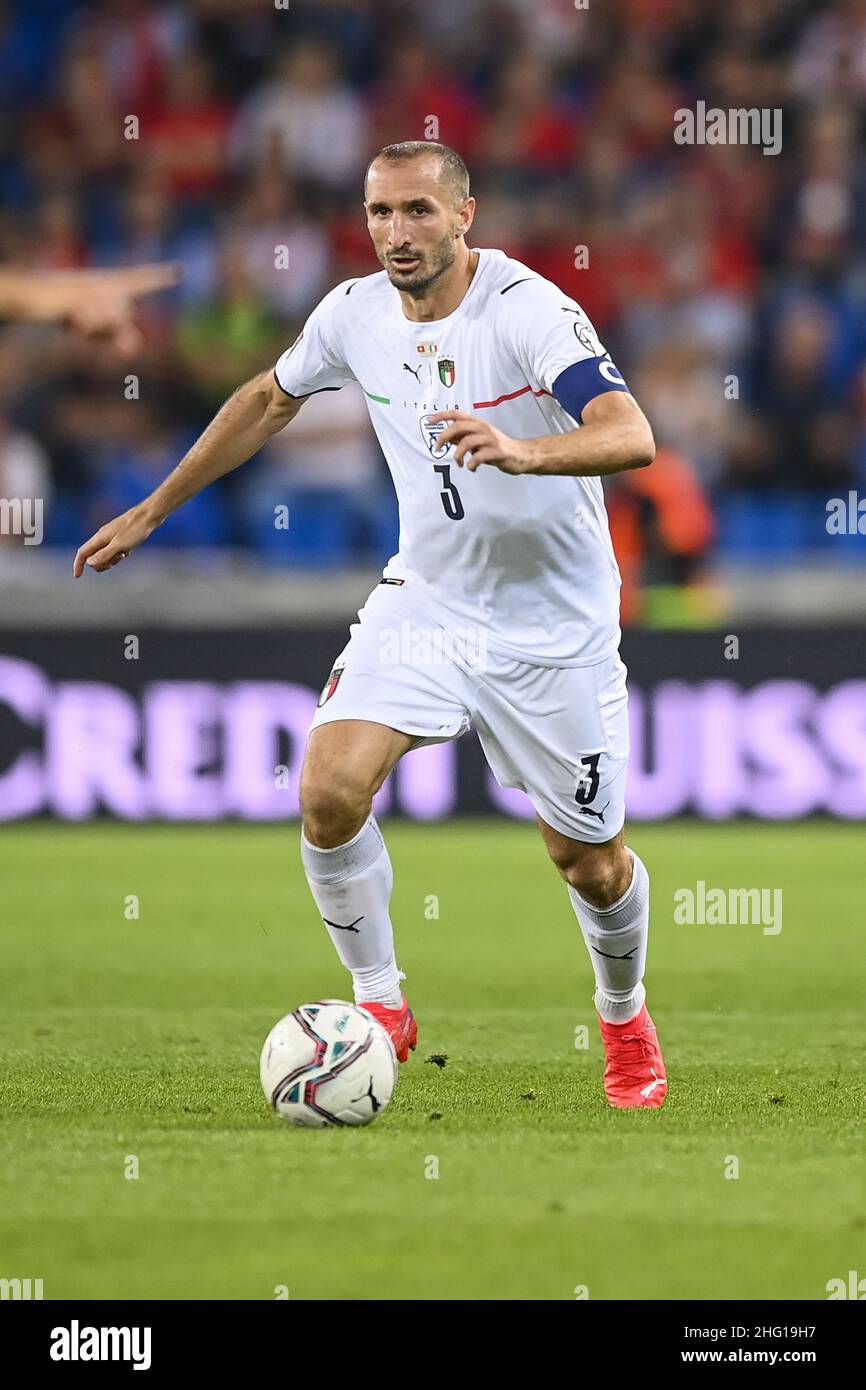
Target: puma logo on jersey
x,y
414,370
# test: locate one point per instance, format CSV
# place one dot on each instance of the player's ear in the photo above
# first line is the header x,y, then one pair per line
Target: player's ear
x,y
467,215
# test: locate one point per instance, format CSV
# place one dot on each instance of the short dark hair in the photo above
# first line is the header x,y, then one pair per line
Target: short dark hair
x,y
452,170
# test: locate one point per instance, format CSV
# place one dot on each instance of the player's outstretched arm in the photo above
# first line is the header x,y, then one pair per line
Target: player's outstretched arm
x,y
615,435
256,411
97,303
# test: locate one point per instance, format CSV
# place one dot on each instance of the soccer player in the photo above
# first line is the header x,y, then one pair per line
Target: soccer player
x,y
498,411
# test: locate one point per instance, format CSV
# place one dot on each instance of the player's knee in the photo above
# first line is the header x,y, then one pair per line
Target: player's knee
x,y
334,807
600,873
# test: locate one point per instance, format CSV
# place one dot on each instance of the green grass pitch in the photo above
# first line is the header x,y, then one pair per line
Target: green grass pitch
x,y
141,1037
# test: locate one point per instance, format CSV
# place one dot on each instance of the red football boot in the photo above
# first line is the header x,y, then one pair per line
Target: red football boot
x,y
399,1024
635,1070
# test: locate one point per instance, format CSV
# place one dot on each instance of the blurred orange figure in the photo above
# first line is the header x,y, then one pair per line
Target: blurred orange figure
x,y
661,524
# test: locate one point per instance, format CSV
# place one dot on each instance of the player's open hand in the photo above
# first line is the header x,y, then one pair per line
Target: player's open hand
x,y
479,442
113,542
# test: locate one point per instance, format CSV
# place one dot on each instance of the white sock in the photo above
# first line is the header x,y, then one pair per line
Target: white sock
x,y
616,938
352,884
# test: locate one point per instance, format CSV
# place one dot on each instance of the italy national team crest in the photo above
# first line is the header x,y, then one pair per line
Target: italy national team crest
x,y
446,371
330,685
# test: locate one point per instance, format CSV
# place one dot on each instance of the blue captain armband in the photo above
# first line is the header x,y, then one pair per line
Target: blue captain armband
x,y
583,381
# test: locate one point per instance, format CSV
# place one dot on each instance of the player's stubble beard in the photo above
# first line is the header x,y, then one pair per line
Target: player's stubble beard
x,y
432,266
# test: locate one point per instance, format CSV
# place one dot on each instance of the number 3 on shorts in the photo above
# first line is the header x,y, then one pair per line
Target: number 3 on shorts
x,y
587,786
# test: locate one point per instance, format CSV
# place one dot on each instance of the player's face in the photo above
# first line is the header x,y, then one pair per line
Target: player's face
x,y
413,223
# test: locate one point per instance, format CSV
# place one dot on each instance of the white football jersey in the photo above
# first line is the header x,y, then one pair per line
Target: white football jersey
x,y
527,559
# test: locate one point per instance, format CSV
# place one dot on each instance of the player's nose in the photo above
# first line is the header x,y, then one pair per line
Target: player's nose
x,y
397,237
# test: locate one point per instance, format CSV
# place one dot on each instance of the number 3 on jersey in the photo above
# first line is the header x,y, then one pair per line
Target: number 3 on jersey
x,y
451,499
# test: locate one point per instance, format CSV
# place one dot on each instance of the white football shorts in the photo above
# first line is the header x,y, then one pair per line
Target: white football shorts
x,y
557,733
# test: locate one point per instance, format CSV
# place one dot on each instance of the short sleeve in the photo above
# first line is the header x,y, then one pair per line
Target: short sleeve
x,y
558,347
315,361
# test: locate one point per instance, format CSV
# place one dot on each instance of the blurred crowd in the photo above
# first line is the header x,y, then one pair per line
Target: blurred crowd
x,y
729,285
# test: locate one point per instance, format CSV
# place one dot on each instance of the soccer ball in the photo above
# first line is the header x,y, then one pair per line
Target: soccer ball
x,y
328,1063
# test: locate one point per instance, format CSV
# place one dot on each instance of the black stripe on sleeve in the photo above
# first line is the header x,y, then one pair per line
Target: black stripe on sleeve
x,y
306,393
517,282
